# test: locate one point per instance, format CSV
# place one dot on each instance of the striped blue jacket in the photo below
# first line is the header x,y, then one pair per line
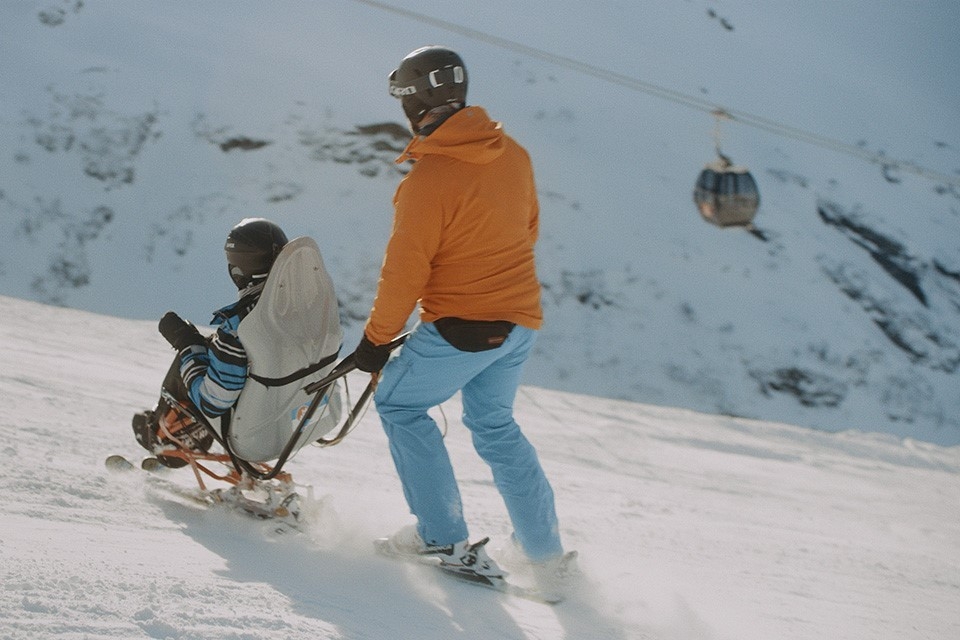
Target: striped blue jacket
x,y
215,373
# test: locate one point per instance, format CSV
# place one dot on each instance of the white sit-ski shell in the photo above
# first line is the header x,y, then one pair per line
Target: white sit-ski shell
x,y
295,324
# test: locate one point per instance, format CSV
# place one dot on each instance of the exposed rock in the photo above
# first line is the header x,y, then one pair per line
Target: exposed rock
x,y
890,254
811,389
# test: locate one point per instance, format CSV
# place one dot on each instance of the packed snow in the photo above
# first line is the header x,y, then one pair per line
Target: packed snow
x,y
689,526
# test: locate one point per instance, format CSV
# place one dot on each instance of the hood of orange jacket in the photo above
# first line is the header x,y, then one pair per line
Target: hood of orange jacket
x,y
473,138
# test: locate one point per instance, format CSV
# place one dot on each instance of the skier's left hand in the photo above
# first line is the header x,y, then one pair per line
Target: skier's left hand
x,y
178,332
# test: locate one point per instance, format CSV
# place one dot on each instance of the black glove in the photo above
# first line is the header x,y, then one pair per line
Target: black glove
x,y
370,357
178,332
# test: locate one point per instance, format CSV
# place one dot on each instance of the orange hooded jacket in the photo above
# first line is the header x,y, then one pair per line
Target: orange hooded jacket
x,y
465,224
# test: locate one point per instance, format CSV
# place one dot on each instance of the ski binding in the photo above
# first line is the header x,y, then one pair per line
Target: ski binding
x,y
465,574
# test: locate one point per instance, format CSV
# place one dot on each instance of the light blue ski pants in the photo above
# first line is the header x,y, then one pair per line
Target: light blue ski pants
x,y
428,371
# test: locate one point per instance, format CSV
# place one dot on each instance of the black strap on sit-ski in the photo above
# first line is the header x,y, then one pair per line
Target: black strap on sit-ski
x,y
296,375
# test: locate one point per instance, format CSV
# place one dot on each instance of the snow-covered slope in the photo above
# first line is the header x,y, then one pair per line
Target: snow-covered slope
x,y
689,526
134,135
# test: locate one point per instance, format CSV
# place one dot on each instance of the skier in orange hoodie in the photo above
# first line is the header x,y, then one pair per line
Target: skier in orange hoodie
x,y
462,246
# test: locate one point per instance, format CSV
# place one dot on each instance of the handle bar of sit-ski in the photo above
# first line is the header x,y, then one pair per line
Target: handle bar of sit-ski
x,y
346,366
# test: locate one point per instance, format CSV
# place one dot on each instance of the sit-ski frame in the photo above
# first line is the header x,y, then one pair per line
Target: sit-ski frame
x,y
243,472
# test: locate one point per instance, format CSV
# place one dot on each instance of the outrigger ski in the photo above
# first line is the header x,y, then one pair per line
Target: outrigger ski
x,y
275,501
469,576
120,463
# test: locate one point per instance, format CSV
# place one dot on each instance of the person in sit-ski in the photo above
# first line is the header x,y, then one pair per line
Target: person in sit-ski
x,y
464,229
208,373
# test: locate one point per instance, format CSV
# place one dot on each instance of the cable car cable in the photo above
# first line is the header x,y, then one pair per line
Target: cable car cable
x,y
692,102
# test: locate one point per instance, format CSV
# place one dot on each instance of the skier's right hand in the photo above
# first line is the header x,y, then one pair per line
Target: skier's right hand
x,y
370,357
178,332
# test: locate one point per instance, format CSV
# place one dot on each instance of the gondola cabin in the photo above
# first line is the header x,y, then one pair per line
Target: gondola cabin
x,y
726,194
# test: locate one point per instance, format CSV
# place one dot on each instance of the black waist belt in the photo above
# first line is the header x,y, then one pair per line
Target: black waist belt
x,y
474,335
296,375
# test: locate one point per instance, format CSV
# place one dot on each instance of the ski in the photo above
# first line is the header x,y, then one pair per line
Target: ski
x,y
501,584
119,463
262,500
469,576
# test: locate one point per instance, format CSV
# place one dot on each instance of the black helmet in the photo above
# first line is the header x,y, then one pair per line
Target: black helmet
x,y
429,77
251,248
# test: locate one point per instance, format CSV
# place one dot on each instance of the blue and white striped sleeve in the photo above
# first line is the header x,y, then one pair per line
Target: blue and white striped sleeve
x,y
214,375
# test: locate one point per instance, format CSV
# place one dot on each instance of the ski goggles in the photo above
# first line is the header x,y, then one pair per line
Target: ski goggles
x,y
434,79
